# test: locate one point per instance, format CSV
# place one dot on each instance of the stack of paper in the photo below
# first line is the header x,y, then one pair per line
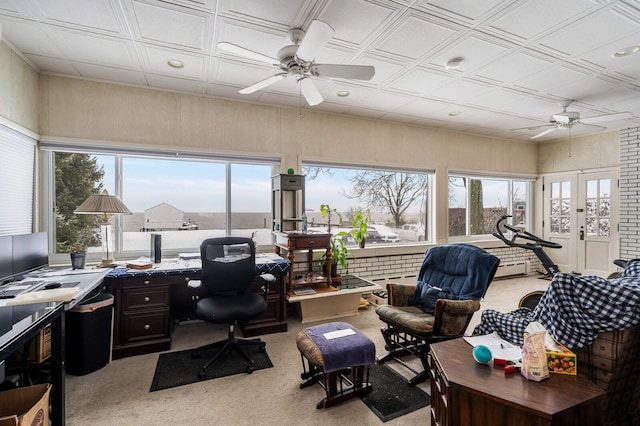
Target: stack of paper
x,y
499,347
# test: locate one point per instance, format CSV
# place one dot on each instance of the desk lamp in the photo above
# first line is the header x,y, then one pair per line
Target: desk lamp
x,y
105,205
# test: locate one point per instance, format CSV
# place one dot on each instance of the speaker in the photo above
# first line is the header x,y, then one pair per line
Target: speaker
x,y
156,248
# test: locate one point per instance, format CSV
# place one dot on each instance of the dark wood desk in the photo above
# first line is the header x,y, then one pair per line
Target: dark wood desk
x,y
147,304
464,392
27,321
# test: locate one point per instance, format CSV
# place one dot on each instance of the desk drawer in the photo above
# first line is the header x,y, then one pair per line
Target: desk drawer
x,y
145,281
304,242
156,297
146,326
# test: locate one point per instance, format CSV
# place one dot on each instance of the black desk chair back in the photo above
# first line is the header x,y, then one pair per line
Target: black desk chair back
x,y
228,270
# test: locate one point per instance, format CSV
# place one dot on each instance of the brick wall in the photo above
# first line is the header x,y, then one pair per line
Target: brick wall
x,y
630,193
405,267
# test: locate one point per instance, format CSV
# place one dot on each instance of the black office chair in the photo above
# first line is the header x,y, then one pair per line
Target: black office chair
x,y
228,270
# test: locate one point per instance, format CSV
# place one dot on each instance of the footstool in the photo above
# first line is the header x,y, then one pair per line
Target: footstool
x,y
337,356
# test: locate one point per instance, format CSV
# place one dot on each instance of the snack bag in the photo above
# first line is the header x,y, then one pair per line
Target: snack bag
x,y
534,357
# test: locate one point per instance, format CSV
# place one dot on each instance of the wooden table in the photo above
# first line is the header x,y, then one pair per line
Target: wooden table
x,y
292,241
464,392
332,302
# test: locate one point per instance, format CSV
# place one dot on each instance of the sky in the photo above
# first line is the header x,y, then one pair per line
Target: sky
x,y
198,186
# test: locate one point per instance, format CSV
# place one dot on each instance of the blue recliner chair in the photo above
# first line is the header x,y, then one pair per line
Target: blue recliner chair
x,y
452,280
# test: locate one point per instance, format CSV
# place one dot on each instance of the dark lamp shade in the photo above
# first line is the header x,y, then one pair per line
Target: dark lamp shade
x,y
102,203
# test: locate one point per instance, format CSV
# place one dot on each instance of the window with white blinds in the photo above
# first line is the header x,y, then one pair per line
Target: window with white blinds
x,y
16,182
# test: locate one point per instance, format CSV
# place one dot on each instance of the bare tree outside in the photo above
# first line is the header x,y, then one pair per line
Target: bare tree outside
x,y
391,191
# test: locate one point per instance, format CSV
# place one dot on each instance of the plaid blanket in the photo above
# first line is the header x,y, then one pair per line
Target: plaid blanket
x,y
574,309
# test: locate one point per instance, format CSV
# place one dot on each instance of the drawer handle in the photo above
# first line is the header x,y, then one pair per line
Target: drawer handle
x,y
147,282
146,299
147,326
311,243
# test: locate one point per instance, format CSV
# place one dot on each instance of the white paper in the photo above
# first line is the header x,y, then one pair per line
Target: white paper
x,y
499,347
65,272
338,333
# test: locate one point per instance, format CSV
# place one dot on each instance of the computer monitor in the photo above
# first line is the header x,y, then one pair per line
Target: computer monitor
x,y
30,252
6,258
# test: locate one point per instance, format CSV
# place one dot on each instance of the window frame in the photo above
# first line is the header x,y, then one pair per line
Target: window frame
x,y
429,214
467,237
49,148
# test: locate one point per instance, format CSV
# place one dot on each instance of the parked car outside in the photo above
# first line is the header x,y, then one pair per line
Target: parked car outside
x,y
384,234
412,232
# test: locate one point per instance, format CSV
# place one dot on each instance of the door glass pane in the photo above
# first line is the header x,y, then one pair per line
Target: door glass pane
x,y
592,188
560,204
598,211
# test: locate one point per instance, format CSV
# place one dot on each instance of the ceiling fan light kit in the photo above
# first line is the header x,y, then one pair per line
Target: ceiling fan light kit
x,y
453,64
627,51
568,119
297,61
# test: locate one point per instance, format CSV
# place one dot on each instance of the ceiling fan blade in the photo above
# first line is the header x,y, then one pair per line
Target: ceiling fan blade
x,y
543,133
531,127
310,92
358,72
317,35
607,117
262,84
241,51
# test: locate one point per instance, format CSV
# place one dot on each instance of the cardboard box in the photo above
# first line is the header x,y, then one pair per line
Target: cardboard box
x,y
25,406
377,300
39,348
563,362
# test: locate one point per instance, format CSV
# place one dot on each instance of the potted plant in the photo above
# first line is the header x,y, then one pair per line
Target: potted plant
x,y
79,234
360,223
340,255
326,210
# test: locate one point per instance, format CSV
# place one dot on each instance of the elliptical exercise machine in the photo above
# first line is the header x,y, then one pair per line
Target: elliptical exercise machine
x,y
536,247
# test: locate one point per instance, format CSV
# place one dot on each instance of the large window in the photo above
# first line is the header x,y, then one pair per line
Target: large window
x,y
473,200
397,200
185,198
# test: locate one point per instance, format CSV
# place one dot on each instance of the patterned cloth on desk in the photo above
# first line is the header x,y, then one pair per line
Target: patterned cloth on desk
x,y
574,309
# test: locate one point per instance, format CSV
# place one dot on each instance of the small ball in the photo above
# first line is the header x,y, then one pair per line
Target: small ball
x,y
482,354
291,171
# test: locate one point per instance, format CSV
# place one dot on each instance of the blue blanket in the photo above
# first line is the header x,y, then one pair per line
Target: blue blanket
x,y
574,309
342,352
453,271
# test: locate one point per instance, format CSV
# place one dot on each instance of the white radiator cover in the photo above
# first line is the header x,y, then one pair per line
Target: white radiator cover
x,y
506,269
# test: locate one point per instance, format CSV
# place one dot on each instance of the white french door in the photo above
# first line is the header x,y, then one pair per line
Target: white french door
x,y
581,214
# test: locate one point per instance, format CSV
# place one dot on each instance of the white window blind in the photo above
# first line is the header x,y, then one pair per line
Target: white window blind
x,y
17,171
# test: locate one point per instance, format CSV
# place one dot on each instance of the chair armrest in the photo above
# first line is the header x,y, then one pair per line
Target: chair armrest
x,y
453,316
399,294
268,279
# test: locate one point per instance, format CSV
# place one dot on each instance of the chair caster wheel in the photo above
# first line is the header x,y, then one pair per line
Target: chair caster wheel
x,y
202,375
249,369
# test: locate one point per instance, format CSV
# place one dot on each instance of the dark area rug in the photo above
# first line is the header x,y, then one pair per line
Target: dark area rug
x,y
391,396
178,368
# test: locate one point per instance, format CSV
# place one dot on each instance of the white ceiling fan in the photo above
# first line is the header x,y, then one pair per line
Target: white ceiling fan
x,y
297,61
568,119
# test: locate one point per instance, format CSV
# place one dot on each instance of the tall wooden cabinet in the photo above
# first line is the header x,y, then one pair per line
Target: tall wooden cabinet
x,y
287,202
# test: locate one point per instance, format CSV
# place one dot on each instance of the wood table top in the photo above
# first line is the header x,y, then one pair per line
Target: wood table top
x,y
551,396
